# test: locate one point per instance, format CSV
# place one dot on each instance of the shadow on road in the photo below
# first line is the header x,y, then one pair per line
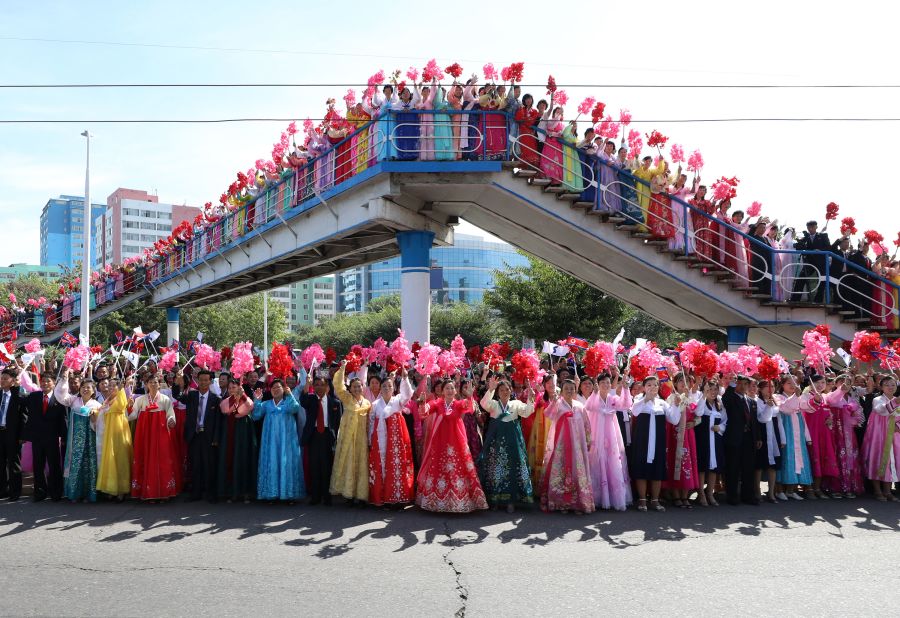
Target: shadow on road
x,y
336,530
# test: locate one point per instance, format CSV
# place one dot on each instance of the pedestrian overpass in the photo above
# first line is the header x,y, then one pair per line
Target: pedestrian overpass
x,y
354,204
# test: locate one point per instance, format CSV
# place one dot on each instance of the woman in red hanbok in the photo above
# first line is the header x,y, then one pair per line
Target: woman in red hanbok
x,y
391,479
153,470
494,124
527,118
566,482
448,481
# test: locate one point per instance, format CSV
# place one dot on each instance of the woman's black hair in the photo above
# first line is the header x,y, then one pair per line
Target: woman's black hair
x,y
604,376
277,381
528,96
885,379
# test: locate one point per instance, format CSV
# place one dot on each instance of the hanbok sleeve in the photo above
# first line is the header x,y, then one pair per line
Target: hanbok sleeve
x,y
259,409
723,422
835,398
61,392
673,414
522,410
341,391
486,402
406,391
27,383
168,408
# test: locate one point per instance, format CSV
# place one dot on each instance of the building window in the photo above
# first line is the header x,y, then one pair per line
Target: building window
x,y
305,316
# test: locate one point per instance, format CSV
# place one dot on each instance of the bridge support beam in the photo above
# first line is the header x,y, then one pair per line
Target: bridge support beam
x,y
415,284
737,336
173,320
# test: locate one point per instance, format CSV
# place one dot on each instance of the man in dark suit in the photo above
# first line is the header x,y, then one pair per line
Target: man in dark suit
x,y
45,428
12,433
860,285
741,442
813,265
201,426
323,418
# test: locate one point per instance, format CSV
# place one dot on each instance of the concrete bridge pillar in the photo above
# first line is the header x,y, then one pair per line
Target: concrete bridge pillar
x,y
737,336
173,319
415,284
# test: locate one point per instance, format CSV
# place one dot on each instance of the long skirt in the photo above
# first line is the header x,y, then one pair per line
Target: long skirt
x,y
822,457
631,207
495,135
849,479
573,179
528,153
610,483
503,466
873,449
552,160
659,217
710,457
537,442
350,476
280,475
81,460
689,478
566,481
407,136
391,474
640,438
794,451
473,435
237,470
153,469
448,481
443,138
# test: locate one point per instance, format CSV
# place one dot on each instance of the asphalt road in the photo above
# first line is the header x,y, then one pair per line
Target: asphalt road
x,y
196,559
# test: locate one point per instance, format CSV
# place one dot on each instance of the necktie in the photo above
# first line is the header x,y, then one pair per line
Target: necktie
x,y
202,413
746,410
4,401
46,403
320,419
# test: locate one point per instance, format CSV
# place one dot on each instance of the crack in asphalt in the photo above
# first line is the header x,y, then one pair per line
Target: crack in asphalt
x,y
461,589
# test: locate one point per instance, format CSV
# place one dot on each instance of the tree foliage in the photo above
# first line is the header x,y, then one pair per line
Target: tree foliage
x,y
544,303
222,324
476,323
25,287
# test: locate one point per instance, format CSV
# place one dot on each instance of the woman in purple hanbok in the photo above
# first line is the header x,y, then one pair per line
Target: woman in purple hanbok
x,y
610,200
610,483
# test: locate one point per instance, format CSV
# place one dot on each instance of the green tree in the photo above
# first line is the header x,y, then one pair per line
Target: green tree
x,y
542,302
476,323
222,324
25,287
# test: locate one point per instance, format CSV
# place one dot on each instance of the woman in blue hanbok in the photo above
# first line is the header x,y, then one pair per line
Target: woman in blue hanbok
x,y
80,466
406,130
443,132
380,145
795,469
280,475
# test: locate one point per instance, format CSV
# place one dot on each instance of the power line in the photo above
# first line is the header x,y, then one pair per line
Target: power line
x,y
544,85
308,52
238,120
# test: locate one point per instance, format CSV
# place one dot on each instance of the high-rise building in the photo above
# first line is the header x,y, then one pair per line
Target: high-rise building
x,y
311,300
132,221
14,271
62,227
459,273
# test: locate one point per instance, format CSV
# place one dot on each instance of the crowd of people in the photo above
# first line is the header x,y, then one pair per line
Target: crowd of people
x,y
454,430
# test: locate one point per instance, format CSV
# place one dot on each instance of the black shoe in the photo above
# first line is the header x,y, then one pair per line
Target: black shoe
x,y
314,501
38,497
752,501
734,502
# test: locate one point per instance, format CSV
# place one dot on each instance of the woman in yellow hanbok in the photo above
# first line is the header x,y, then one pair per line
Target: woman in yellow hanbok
x,y
358,116
646,173
537,438
114,474
350,475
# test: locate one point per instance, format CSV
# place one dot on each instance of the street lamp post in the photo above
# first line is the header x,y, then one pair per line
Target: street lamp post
x,y
86,241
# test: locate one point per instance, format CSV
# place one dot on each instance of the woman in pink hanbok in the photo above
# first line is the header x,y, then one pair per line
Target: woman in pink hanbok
x,y
681,216
426,121
681,444
732,250
820,423
847,415
566,482
552,153
610,483
881,445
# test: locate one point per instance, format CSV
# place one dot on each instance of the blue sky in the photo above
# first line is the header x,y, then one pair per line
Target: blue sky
x,y
794,169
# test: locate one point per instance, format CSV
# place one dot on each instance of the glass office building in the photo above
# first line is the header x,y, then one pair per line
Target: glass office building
x,y
459,274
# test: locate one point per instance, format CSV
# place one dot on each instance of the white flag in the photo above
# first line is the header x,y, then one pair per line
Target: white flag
x,y
153,336
132,357
844,356
639,345
554,349
82,340
618,340
199,337
138,331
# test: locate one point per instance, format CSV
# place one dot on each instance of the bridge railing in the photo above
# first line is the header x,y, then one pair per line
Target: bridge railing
x,y
444,135
59,315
